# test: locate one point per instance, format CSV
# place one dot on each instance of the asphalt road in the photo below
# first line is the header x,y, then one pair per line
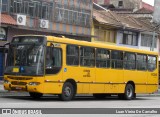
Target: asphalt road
x,y
23,100
14,99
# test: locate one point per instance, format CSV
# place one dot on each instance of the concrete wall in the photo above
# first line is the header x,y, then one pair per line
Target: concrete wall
x,y
102,2
124,45
139,43
149,48
129,4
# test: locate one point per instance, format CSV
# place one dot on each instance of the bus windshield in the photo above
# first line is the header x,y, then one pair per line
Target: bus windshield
x,y
27,57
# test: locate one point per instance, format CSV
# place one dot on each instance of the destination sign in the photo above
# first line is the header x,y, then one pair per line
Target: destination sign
x,y
28,39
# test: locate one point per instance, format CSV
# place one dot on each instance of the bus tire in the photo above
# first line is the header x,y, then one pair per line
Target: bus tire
x,y
129,92
35,95
99,96
68,92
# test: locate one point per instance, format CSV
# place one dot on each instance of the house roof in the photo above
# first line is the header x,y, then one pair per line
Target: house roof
x,y
120,21
121,10
143,11
106,17
7,19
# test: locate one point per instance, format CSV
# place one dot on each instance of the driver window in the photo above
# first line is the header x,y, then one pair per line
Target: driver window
x,y
49,58
53,60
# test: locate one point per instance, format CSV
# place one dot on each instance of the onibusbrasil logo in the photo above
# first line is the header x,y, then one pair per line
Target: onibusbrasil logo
x,y
21,111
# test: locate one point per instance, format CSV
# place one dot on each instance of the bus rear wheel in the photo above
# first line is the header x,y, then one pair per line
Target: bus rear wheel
x,y
99,96
35,95
68,92
129,92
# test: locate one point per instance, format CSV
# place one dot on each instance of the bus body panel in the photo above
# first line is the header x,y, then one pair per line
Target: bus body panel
x,y
52,88
53,83
139,78
110,79
82,75
152,80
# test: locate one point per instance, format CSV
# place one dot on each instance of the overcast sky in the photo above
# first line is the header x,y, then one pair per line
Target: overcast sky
x,y
151,2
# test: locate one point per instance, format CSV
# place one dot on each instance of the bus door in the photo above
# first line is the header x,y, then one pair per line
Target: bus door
x,y
53,69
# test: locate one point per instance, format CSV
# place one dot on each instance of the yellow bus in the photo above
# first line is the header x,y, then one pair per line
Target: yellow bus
x,y
66,67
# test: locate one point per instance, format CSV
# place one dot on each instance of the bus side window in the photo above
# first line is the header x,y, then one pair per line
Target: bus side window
x,y
87,56
152,63
129,61
141,62
117,59
72,55
102,58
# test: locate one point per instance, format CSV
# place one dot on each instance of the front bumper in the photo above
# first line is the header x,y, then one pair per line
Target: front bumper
x,y
28,88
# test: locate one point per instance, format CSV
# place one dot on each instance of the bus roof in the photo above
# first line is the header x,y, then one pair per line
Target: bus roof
x,y
92,44
97,45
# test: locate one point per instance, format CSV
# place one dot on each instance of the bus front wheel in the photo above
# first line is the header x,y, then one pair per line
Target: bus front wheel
x,y
68,92
129,92
35,95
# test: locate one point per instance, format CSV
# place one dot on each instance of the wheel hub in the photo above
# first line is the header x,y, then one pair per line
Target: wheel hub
x,y
67,91
129,92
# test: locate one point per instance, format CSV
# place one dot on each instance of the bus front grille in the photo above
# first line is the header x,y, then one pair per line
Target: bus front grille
x,y
18,83
18,78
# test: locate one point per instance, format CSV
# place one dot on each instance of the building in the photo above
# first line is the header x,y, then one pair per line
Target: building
x,y
121,5
102,2
124,30
70,18
127,4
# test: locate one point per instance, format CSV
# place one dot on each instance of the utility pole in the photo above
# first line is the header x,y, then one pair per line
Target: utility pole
x,y
153,41
156,20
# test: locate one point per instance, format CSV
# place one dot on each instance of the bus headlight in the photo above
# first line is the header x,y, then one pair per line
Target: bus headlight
x,y
6,82
34,83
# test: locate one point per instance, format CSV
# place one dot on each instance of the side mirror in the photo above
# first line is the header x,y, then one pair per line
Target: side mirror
x,y
51,44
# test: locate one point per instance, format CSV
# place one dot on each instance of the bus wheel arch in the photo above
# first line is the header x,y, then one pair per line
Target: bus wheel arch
x,y
73,82
69,90
129,92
